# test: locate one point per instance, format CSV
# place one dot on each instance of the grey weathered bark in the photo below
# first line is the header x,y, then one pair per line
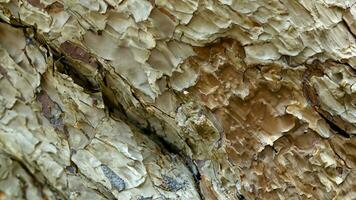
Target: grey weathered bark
x,y
177,99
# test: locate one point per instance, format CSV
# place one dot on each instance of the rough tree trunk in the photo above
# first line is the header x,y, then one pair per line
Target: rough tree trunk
x,y
177,99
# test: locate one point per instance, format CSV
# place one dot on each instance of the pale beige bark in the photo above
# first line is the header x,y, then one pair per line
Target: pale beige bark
x,y
177,99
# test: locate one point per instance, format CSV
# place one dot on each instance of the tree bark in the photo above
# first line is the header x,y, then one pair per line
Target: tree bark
x,y
177,99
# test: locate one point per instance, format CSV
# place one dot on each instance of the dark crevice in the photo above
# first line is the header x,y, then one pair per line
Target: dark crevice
x,y
241,197
173,149
119,112
347,26
313,100
39,182
116,110
159,140
66,65
335,127
63,63
35,180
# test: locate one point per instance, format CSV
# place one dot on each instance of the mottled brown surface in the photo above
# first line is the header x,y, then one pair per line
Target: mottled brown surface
x,y
178,99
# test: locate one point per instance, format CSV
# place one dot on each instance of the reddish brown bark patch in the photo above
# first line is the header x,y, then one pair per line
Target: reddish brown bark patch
x,y
76,52
55,7
36,3
166,12
51,110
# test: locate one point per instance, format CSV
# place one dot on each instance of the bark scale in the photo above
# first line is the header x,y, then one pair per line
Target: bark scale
x,y
177,99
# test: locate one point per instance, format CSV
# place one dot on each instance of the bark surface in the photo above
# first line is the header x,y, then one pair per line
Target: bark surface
x,y
177,99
